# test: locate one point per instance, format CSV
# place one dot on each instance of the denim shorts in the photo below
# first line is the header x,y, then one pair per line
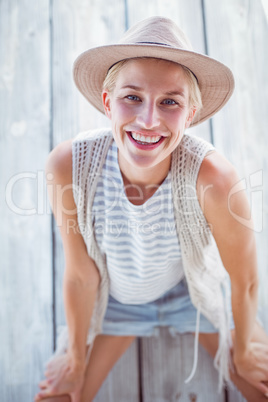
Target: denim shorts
x,y
173,310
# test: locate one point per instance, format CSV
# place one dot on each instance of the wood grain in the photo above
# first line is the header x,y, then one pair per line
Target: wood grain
x,y
122,383
167,362
41,107
26,262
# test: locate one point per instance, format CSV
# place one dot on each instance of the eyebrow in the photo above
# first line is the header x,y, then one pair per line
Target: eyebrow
x,y
176,93
135,87
169,93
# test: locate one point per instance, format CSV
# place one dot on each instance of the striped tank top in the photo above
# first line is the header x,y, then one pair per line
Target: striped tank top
x,y
139,242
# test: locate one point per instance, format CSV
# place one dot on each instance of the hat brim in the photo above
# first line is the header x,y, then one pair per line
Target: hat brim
x,y
215,80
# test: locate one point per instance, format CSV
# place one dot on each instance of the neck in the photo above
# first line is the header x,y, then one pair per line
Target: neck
x,y
144,176
141,183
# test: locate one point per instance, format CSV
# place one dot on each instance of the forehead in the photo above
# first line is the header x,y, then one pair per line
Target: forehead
x,y
151,70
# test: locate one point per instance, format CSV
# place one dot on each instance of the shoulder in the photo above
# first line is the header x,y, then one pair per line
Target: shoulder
x,y
222,199
59,162
219,193
217,176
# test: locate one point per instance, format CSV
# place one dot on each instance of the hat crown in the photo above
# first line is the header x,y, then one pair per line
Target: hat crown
x,y
158,31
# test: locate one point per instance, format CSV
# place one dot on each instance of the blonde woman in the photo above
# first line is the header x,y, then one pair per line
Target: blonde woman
x,y
148,237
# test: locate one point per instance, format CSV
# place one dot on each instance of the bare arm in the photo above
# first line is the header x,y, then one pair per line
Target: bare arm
x,y
81,277
236,243
235,240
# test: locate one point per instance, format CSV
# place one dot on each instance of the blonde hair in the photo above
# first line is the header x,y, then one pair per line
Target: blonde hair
x,y
195,99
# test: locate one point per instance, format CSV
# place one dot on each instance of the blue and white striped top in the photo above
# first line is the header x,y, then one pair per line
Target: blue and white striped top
x,y
139,242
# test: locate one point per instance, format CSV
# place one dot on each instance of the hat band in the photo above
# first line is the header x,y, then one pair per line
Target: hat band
x,y
155,43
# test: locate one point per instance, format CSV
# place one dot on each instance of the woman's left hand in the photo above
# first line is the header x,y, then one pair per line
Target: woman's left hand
x,y
252,365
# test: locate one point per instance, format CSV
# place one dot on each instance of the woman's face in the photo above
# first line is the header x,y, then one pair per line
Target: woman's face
x,y
149,111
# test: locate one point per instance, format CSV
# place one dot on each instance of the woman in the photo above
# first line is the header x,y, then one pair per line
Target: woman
x,y
146,219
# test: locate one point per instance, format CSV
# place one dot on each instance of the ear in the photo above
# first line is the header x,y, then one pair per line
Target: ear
x,y
190,117
106,101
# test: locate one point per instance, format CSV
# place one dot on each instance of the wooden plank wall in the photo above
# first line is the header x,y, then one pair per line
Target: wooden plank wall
x,y
40,107
26,319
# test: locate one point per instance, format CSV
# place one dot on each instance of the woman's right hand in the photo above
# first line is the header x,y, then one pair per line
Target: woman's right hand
x,y
62,377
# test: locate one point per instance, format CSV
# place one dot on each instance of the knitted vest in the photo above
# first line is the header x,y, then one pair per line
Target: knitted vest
x,y
206,277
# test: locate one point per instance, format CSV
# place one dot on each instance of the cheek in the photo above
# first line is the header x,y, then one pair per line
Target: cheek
x,y
177,122
182,119
123,111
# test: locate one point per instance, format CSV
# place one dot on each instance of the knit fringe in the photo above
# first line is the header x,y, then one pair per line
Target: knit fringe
x,y
195,346
223,360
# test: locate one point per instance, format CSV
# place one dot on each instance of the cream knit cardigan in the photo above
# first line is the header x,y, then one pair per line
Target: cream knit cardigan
x,y
206,277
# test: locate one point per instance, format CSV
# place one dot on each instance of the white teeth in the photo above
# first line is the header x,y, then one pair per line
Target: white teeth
x,y
143,138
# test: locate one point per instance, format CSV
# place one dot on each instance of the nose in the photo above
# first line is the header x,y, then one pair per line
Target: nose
x,y
148,116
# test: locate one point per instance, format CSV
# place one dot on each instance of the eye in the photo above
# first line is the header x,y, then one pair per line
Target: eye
x,y
169,102
133,98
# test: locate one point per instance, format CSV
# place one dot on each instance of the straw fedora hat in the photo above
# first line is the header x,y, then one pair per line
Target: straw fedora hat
x,y
160,38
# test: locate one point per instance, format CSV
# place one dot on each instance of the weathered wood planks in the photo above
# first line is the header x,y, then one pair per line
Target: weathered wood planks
x,y
40,107
26,319
167,362
123,382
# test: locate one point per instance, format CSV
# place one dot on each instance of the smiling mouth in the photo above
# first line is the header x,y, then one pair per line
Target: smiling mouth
x,y
145,140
